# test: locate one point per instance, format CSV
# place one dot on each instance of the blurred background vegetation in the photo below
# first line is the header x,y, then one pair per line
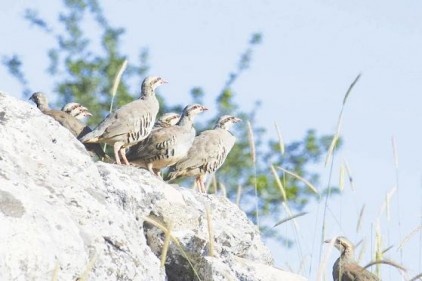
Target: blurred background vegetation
x,y
84,74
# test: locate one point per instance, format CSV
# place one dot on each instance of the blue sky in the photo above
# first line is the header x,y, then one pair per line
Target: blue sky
x,y
311,52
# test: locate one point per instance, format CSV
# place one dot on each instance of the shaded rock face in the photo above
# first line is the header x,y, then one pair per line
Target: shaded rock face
x,y
63,215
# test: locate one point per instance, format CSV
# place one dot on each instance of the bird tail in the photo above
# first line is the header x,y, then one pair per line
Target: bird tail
x,y
173,175
88,138
96,148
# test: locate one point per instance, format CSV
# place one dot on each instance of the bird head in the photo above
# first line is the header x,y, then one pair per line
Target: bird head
x,y
193,109
226,121
76,110
40,100
341,243
153,82
168,119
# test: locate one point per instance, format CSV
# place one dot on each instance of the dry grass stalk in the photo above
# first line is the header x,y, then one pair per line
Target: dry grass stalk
x,y
324,261
386,205
409,236
341,177
166,246
378,248
359,223
210,231
396,166
387,249
307,183
186,256
385,261
419,276
175,241
251,140
84,276
337,134
302,264
334,141
290,218
279,184
295,226
362,251
167,232
116,83
349,175
223,189
56,272
395,155
280,138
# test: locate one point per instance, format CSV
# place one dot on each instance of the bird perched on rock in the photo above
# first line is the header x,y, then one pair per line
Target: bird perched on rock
x,y
345,268
207,153
129,124
165,146
76,110
166,120
75,126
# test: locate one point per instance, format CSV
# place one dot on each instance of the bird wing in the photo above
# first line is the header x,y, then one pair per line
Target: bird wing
x,y
163,143
355,272
75,126
208,152
130,123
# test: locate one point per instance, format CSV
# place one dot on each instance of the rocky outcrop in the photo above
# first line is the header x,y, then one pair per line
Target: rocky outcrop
x,y
65,217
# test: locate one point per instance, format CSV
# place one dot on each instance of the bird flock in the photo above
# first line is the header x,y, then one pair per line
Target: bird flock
x,y
141,139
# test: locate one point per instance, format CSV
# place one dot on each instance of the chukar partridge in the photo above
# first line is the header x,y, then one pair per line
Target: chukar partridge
x,y
165,120
345,268
76,110
207,153
75,126
129,124
165,146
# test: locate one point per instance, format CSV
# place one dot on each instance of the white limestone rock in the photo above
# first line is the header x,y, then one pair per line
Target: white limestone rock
x,y
62,214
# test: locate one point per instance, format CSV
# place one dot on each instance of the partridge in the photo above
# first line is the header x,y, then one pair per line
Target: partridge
x,y
76,110
129,124
207,153
345,268
165,146
75,126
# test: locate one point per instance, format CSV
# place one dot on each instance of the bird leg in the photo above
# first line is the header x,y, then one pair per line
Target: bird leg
x,y
117,147
123,154
197,185
150,169
203,178
200,184
157,172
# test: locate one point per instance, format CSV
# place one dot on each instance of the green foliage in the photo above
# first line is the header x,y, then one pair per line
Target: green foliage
x,y
84,74
14,66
